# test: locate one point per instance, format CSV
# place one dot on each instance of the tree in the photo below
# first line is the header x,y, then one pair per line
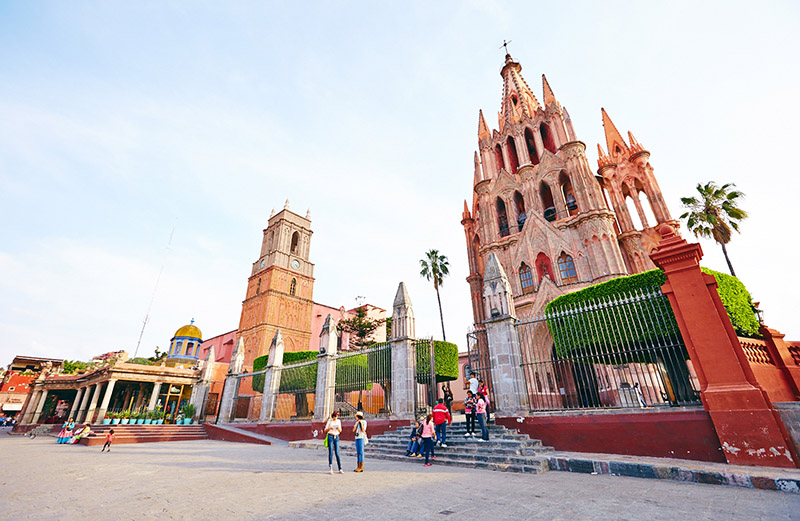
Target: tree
x,y
714,214
360,328
435,268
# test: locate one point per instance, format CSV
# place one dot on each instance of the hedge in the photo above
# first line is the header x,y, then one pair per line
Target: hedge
x,y
446,358
636,324
301,378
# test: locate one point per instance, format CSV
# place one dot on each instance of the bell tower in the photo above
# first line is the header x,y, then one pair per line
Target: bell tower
x,y
280,287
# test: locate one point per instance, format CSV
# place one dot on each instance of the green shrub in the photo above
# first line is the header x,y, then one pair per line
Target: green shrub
x,y
636,324
300,378
352,372
446,358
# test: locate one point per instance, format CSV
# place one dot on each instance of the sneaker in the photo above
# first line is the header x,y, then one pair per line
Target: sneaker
x,y
330,469
444,444
419,455
412,455
427,465
467,435
341,471
482,440
433,457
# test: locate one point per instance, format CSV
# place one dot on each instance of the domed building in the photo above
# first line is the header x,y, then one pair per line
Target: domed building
x,y
184,347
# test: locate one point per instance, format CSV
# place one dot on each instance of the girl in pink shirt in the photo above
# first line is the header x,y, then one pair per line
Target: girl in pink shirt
x,y
428,437
480,408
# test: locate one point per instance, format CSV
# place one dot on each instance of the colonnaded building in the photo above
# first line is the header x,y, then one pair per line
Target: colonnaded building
x,y
553,224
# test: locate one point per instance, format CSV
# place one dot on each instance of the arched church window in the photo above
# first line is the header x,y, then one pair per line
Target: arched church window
x,y
258,287
502,217
295,240
538,382
519,203
647,208
630,206
566,266
526,278
568,193
530,143
189,348
547,202
513,159
498,157
547,138
476,248
544,266
293,287
514,100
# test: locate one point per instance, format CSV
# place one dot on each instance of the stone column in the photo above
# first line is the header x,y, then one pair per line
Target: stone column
x,y
505,353
326,370
230,389
201,388
74,408
748,426
154,396
30,406
106,399
404,361
82,408
139,397
272,378
537,139
783,358
93,404
39,406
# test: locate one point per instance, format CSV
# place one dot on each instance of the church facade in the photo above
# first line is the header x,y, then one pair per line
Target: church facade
x,y
554,224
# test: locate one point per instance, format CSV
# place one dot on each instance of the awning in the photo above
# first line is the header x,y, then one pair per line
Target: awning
x,y
7,407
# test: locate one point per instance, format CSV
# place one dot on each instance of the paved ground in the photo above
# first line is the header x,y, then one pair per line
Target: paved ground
x,y
209,480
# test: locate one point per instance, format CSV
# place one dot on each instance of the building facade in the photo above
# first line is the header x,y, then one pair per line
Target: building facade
x,y
555,225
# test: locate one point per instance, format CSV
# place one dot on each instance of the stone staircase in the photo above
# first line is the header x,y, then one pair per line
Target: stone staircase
x,y
145,434
506,450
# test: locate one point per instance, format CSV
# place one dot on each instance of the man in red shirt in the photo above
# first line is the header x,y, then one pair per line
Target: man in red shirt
x,y
441,418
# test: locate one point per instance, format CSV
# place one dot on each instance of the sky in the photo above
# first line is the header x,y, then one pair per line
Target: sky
x,y
143,146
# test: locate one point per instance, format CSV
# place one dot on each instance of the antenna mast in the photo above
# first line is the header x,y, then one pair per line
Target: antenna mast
x,y
153,297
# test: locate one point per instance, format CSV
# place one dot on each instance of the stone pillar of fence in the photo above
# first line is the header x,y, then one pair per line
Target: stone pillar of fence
x,y
748,426
231,387
272,378
505,352
403,356
326,370
782,357
201,388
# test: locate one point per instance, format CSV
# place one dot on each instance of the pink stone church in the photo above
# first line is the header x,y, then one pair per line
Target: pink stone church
x,y
553,224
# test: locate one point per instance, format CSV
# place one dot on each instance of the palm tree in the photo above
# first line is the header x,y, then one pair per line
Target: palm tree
x,y
714,214
434,267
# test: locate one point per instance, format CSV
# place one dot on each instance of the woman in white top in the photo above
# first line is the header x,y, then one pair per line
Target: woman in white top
x,y
333,428
360,430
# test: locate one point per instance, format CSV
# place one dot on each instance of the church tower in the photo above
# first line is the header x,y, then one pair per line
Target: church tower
x,y
280,288
538,206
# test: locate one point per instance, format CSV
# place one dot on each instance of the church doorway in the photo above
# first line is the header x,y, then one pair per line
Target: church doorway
x,y
172,399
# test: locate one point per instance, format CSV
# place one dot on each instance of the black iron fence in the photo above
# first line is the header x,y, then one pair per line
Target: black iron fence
x,y
297,391
478,363
364,381
613,352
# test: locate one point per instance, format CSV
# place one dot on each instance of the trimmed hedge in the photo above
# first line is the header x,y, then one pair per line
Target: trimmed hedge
x,y
446,358
638,323
301,378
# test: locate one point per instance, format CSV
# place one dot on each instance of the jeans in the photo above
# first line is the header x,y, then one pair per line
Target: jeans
x,y
413,447
471,423
428,448
360,450
333,448
441,433
482,423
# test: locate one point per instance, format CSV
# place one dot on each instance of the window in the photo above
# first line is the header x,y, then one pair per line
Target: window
x,y
295,240
512,155
568,193
189,348
498,156
502,217
547,139
531,144
519,202
258,286
547,202
293,287
567,268
11,388
538,382
526,278
544,267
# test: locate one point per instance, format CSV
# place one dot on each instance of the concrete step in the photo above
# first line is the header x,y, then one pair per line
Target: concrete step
x,y
527,465
125,434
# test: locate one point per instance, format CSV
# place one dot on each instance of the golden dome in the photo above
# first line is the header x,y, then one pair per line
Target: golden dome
x,y
190,331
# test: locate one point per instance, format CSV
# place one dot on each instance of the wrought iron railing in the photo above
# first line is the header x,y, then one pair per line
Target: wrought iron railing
x,y
424,392
364,381
297,391
613,352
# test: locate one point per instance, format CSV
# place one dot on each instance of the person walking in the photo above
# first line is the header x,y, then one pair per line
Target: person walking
x,y
109,439
428,437
441,418
448,397
480,409
333,427
360,430
469,412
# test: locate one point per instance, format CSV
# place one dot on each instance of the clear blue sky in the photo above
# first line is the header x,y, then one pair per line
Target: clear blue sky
x,y
120,121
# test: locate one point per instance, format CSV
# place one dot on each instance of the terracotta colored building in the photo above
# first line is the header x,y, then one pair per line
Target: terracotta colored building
x,y
555,225
18,381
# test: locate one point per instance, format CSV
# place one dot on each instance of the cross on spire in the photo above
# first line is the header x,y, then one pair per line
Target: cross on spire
x,y
505,44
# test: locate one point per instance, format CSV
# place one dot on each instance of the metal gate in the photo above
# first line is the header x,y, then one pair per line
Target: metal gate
x,y
425,392
478,362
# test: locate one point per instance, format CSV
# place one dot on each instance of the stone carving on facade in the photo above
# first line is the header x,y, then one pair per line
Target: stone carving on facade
x,y
403,325
237,359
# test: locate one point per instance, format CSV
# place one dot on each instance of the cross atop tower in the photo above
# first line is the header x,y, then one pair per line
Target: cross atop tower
x,y
505,44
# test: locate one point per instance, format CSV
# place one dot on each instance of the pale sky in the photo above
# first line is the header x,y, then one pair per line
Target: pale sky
x,y
120,121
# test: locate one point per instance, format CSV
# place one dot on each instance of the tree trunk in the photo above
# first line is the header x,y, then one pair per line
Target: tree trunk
x,y
441,316
725,251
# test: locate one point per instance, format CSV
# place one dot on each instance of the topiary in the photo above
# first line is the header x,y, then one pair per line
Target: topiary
x,y
446,358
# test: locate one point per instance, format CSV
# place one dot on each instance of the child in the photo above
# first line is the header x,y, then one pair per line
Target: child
x,y
413,441
109,439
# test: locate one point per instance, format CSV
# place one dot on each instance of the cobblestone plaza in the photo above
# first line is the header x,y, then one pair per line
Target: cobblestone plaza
x,y
210,480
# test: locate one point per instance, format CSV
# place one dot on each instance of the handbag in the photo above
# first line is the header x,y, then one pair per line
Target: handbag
x,y
326,441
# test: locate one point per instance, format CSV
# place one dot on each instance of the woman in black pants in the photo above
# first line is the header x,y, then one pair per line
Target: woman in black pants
x,y
469,412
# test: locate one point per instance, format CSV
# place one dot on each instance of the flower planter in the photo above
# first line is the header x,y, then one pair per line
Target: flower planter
x,y
148,421
160,422
106,421
124,421
115,421
187,421
140,421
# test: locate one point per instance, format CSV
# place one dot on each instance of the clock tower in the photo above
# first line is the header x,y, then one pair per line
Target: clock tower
x,y
280,288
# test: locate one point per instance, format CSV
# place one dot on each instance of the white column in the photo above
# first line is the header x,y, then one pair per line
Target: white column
x,y
74,408
326,370
154,396
30,406
39,406
106,400
82,408
93,403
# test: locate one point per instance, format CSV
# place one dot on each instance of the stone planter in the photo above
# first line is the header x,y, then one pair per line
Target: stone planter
x,y
124,421
115,421
148,421
106,421
140,421
160,422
